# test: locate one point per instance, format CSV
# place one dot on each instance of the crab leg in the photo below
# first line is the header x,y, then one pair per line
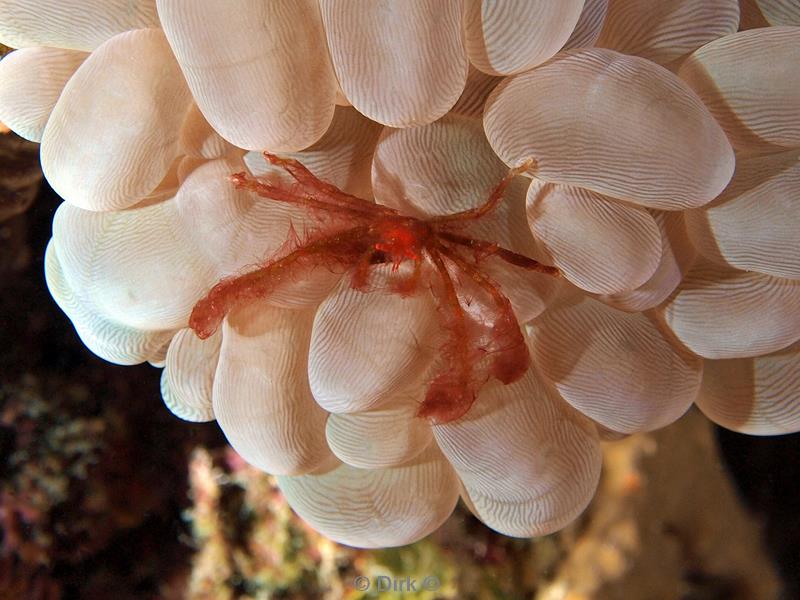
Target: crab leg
x,y
511,359
491,203
342,248
518,260
334,195
243,181
451,392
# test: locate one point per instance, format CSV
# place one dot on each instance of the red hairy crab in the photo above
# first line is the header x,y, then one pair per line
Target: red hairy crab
x,y
351,235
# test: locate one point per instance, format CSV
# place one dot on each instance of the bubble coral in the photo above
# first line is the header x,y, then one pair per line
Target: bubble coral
x,y
656,134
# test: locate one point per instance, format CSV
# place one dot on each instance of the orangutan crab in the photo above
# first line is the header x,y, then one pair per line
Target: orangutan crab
x,y
354,234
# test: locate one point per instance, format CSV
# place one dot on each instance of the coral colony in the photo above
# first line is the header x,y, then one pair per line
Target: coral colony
x,y
351,234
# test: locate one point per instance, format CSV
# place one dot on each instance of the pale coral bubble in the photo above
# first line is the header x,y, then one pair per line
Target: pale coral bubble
x,y
402,64
529,464
109,339
376,508
753,225
188,376
748,80
602,246
613,366
618,125
31,80
719,312
113,133
758,396
259,71
677,255
383,437
589,25
665,30
780,12
261,397
508,37
365,348
72,24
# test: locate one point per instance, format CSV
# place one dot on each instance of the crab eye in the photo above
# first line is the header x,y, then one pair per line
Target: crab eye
x,y
378,258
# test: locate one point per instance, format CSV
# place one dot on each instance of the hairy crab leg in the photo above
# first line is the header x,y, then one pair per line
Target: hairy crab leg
x,y
449,395
491,203
208,313
242,181
360,276
406,286
513,358
490,248
308,180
